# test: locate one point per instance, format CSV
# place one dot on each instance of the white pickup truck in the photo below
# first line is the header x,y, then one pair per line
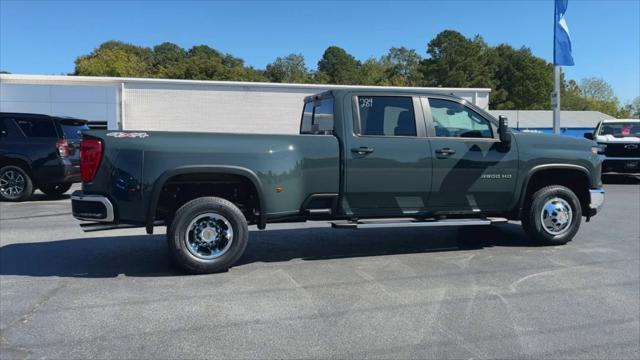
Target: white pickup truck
x,y
620,140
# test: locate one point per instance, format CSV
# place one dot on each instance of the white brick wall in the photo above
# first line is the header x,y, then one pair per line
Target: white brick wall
x,y
172,105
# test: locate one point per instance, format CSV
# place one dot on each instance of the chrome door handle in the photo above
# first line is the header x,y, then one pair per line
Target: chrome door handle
x,y
445,151
362,150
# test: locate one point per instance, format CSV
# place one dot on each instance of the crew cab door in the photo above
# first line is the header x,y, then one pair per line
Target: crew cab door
x,y
387,156
472,171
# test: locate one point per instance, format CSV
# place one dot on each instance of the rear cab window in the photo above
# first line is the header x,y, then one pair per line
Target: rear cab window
x,y
317,117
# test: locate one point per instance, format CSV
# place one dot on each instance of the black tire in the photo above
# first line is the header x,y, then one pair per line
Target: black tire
x,y
180,233
12,179
55,190
532,217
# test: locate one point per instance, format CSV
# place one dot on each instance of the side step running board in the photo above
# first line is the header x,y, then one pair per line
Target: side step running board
x,y
390,223
100,226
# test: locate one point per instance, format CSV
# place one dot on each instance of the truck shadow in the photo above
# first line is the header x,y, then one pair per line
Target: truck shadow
x,y
148,256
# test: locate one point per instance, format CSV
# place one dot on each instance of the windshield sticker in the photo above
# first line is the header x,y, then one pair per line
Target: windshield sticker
x,y
128,134
366,102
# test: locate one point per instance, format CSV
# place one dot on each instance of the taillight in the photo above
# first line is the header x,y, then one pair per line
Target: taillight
x,y
90,155
63,148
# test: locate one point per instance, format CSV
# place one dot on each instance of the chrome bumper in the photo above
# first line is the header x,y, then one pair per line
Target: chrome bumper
x,y
597,200
91,207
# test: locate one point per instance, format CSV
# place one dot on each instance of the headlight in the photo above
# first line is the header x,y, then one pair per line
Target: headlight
x,y
599,149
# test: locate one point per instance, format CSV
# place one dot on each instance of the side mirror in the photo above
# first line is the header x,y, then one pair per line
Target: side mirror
x,y
503,130
588,135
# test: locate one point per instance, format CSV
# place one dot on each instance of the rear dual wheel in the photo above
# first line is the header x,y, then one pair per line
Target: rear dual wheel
x,y
207,235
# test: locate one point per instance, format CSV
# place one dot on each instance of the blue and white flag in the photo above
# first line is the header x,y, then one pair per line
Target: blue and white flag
x,y
562,40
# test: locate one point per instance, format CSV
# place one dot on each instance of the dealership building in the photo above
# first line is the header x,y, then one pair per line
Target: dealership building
x,y
212,106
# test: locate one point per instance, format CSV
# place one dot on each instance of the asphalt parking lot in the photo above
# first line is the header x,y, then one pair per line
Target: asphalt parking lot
x,y
321,293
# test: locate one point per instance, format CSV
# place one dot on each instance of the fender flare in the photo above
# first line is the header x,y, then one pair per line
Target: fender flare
x,y
199,169
542,167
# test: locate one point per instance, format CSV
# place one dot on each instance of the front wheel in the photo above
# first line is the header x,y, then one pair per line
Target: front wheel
x,y
55,190
552,215
207,235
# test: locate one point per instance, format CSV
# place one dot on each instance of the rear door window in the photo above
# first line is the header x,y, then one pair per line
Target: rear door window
x,y
387,116
37,127
9,130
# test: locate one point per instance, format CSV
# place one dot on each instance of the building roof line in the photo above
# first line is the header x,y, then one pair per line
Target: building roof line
x,y
100,80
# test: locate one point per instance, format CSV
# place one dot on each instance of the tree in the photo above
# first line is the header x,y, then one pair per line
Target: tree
x,y
114,58
455,61
374,72
338,66
288,69
596,89
571,97
522,80
166,60
634,108
403,67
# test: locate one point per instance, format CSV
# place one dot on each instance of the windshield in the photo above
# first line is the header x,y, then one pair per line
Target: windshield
x,y
622,129
73,130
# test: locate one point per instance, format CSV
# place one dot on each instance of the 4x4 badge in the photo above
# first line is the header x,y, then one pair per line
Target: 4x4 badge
x,y
120,134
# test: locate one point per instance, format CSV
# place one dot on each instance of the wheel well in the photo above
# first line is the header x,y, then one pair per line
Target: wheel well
x,y
17,162
575,180
180,189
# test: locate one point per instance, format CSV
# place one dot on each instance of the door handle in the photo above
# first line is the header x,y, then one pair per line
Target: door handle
x,y
445,151
362,150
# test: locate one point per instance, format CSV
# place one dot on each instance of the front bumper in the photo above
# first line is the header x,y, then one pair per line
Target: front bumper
x,y
91,207
596,201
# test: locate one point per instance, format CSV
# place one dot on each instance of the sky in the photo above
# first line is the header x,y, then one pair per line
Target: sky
x,y
45,37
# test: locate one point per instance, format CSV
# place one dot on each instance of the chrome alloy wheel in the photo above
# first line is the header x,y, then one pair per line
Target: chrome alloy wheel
x,y
556,216
209,236
12,184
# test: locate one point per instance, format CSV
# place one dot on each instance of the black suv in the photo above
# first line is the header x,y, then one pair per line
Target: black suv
x,y
38,151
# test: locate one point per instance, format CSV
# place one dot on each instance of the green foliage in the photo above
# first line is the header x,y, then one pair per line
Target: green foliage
x,y
518,79
456,61
522,81
634,107
403,67
114,58
374,72
596,89
167,60
288,69
571,98
338,66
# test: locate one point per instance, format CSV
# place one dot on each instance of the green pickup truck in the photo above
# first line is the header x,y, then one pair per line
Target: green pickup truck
x,y
363,159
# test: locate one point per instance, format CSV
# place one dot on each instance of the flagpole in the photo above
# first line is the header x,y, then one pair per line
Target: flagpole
x,y
556,99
